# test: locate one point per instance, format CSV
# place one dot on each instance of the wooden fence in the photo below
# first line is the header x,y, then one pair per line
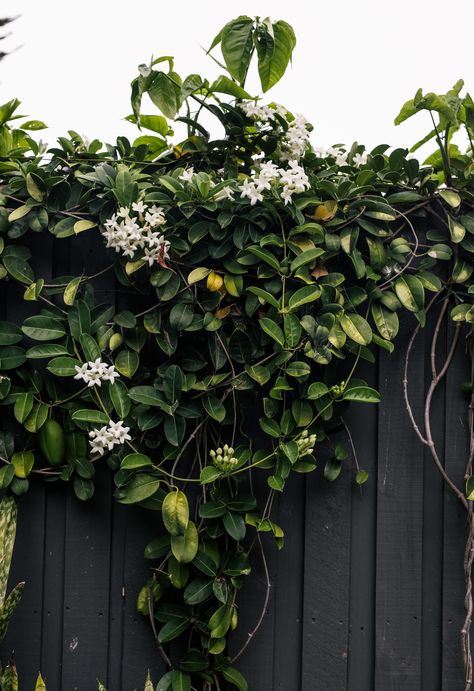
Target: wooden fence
x,y
367,593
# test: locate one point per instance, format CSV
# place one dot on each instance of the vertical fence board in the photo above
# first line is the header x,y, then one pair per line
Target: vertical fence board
x,y
456,452
362,423
86,596
399,528
288,601
326,583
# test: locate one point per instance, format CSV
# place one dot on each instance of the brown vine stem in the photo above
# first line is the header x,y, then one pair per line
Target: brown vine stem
x,y
427,439
268,587
151,616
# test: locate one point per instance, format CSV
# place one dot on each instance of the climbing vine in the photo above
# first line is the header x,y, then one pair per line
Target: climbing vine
x,y
255,273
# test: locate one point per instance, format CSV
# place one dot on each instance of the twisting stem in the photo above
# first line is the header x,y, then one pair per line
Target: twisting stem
x,y
151,615
268,587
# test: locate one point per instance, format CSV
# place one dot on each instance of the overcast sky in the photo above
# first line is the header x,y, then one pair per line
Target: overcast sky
x,y
355,63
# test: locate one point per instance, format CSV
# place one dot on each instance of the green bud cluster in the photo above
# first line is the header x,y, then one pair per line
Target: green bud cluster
x,y
306,443
223,458
338,389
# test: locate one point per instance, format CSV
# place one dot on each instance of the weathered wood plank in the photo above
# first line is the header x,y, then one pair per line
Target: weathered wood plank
x,y
399,527
456,450
362,423
326,582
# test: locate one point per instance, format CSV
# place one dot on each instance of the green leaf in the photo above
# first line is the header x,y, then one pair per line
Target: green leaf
x,y
47,350
316,390
274,52
214,408
410,292
83,489
264,296
234,525
332,469
224,85
181,316
120,400
237,47
23,406
22,463
174,429
9,333
270,427
172,629
385,320
362,394
175,512
90,415
89,346
209,474
266,256
450,197
273,330
126,190
11,357
19,269
198,274
140,488
37,417
149,396
135,460
362,477
41,328
197,591
356,327
306,257
180,681
456,229
126,363
165,92
303,296
63,366
219,622
70,291
234,677
184,547
298,368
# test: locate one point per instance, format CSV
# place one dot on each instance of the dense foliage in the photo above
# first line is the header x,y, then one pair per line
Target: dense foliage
x,y
258,272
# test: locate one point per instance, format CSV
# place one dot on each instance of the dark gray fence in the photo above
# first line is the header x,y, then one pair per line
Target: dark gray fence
x,y
367,593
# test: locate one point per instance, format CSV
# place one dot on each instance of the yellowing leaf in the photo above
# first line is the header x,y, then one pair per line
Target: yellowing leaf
x,y
81,226
325,211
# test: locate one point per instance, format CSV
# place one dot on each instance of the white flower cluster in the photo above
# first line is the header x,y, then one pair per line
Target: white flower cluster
x,y
106,437
341,156
292,180
96,372
294,141
133,230
262,113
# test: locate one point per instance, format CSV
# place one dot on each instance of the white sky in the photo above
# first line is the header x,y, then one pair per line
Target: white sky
x,y
355,63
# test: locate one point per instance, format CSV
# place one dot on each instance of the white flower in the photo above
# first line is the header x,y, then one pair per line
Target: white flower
x,y
341,158
225,193
105,438
294,181
295,140
94,373
188,175
249,189
359,159
139,207
129,234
